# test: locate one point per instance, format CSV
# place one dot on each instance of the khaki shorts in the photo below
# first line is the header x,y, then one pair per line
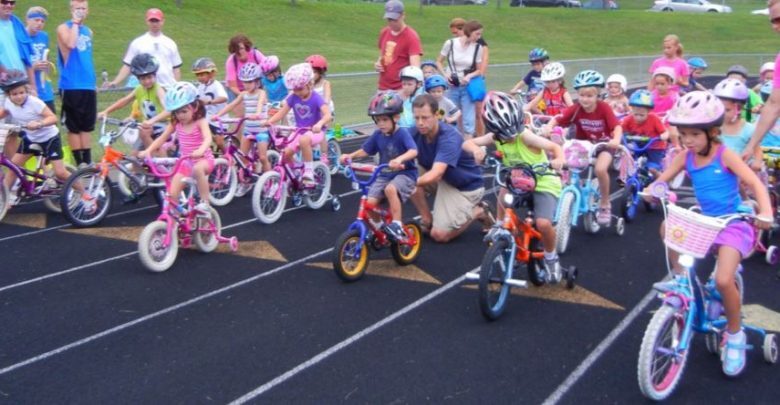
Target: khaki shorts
x,y
453,208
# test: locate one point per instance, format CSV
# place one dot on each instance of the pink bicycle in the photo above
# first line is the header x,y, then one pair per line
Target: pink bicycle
x,y
179,223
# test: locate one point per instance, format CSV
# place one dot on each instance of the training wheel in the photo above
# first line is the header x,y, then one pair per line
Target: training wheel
x,y
233,244
772,255
571,277
712,341
620,226
335,204
770,348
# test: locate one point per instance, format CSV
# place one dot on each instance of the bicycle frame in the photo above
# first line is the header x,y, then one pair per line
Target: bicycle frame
x,y
26,185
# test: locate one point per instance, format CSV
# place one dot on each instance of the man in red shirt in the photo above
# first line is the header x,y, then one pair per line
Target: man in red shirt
x,y
399,46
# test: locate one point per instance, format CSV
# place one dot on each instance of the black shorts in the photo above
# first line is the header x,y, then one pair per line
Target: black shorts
x,y
79,110
52,149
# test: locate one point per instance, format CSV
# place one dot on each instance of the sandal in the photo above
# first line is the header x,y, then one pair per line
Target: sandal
x,y
488,219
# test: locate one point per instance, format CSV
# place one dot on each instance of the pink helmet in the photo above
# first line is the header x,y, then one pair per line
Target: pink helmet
x,y
697,109
318,62
298,76
269,64
731,89
666,71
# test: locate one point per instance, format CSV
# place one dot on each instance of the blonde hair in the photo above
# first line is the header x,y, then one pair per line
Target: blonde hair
x,y
459,23
676,40
38,10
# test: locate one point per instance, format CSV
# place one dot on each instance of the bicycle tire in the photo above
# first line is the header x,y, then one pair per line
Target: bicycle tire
x,y
407,254
628,207
222,183
5,196
52,202
350,268
153,256
591,225
334,152
75,210
316,199
657,380
266,207
563,227
493,289
207,241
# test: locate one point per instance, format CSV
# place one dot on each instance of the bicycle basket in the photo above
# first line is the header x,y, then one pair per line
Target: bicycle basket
x,y
690,233
577,156
520,180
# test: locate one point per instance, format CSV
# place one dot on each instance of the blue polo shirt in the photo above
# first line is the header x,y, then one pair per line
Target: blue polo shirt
x,y
462,171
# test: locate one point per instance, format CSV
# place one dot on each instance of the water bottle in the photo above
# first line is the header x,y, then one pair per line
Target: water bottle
x,y
337,132
104,74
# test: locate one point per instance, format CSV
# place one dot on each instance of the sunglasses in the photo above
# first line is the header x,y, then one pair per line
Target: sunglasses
x,y
8,2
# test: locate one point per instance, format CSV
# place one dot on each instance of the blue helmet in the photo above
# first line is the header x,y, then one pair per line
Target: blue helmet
x,y
435,81
697,63
179,95
588,78
429,63
641,98
538,54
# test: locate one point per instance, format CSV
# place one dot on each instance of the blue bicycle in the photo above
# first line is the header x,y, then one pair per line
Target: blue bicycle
x,y
580,196
688,307
639,174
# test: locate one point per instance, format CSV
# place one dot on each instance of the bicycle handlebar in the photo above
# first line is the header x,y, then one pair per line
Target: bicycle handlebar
x,y
640,149
153,163
384,168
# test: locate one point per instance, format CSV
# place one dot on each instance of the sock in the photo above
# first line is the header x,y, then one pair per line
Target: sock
x,y
735,337
86,156
550,255
77,156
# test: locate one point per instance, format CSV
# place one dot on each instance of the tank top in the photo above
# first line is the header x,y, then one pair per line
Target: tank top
x,y
79,71
320,89
517,152
553,102
190,141
715,186
251,107
147,102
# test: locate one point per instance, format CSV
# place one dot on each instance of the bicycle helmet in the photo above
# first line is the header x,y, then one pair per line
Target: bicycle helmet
x,y
697,109
429,63
619,79
641,98
766,90
180,95
385,103
412,72
588,78
269,64
249,72
731,89
144,64
204,65
538,55
553,71
318,62
435,81
767,67
665,71
13,79
298,76
697,63
738,69
502,116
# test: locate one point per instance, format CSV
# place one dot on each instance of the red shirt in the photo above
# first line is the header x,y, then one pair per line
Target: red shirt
x,y
596,126
651,128
554,103
396,51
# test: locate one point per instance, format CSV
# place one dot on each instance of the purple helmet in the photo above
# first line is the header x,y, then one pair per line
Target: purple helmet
x,y
731,89
697,109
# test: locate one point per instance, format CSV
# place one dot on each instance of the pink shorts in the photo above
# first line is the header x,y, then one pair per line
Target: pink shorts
x,y
185,169
739,235
316,138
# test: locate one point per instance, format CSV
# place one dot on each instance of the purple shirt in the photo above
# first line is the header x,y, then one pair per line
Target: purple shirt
x,y
308,112
679,65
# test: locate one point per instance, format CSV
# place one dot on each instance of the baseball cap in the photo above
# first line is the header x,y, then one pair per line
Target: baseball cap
x,y
393,9
154,14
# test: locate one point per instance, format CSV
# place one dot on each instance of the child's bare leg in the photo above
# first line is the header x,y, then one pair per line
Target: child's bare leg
x,y
391,193
200,172
17,159
305,144
373,202
547,230
728,261
603,162
262,154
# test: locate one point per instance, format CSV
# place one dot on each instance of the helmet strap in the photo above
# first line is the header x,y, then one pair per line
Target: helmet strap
x,y
706,150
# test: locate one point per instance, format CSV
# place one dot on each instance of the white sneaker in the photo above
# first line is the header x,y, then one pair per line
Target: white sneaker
x,y
204,209
553,267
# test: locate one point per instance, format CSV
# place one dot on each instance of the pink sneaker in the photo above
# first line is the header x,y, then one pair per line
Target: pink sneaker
x,y
604,216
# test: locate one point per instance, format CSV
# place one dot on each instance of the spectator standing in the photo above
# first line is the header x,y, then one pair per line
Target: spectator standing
x,y
15,51
39,39
399,47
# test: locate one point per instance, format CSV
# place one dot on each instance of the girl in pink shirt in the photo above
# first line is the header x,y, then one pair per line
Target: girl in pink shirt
x,y
672,58
663,95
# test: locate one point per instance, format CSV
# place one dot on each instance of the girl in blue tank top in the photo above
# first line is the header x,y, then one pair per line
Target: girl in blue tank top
x,y
716,172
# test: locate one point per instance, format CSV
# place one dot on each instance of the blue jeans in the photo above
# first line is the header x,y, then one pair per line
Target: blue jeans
x,y
461,98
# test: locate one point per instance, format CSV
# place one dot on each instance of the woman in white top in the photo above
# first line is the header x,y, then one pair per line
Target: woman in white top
x,y
460,59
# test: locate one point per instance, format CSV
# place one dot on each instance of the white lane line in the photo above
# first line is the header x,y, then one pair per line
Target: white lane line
x,y
594,356
123,255
159,313
345,343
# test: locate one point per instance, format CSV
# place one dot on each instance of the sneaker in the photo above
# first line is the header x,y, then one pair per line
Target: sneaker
x,y
395,231
204,208
732,353
553,267
308,178
604,216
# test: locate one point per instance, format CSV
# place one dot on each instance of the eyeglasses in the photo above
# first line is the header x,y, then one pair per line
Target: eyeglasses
x,y
8,2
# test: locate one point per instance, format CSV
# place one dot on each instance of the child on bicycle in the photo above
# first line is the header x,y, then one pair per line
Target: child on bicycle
x,y
210,92
504,124
273,80
436,85
554,98
664,96
696,66
643,122
735,132
310,111
38,122
754,102
252,98
594,122
397,149
147,96
412,81
538,58
616,94
715,172
190,128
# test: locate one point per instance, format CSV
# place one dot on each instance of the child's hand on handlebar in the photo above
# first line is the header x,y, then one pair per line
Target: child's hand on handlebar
x,y
317,128
395,164
345,159
558,163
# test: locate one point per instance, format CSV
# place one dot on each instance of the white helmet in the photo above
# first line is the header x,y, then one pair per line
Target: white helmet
x,y
767,67
553,71
412,72
620,79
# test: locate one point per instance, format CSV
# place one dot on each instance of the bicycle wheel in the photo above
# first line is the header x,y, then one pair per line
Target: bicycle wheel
x,y
151,250
269,197
589,220
493,273
222,183
661,364
350,257
52,202
5,195
316,197
405,254
245,183
127,186
628,206
563,227
204,237
90,205
334,152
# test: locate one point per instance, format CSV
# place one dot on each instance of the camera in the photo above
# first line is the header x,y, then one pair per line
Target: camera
x,y
454,79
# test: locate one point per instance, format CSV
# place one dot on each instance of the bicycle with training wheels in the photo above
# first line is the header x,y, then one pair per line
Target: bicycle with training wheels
x,y
30,184
638,174
515,245
270,194
580,197
179,223
350,256
688,306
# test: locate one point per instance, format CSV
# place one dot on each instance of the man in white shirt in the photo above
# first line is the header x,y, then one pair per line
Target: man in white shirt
x,y
153,42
